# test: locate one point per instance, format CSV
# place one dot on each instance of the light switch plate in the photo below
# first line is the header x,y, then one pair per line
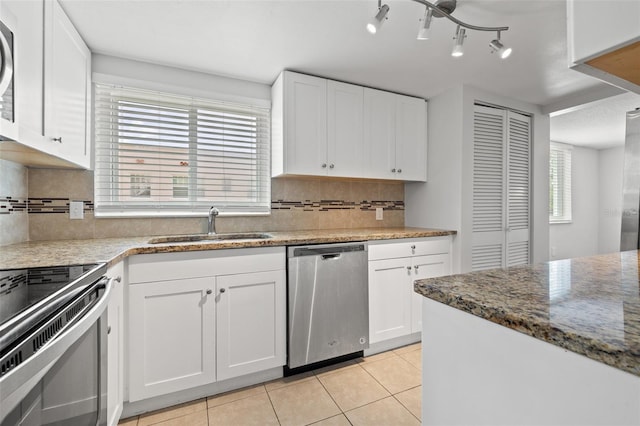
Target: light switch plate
x,y
76,210
379,213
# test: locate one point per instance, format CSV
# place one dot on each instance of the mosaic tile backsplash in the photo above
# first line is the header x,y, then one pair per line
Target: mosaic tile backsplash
x,y
297,204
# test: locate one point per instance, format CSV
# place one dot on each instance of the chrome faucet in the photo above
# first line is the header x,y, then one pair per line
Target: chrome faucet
x,y
211,226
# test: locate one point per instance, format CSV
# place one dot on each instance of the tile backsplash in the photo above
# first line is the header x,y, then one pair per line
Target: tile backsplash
x,y
14,220
297,204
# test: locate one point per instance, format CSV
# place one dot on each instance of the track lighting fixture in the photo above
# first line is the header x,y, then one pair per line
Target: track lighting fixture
x,y
424,31
497,46
443,9
458,50
379,19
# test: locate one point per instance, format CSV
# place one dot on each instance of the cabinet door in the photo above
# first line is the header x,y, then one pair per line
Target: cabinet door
x,y
115,349
345,141
305,118
411,138
431,266
67,73
171,336
379,134
251,323
389,298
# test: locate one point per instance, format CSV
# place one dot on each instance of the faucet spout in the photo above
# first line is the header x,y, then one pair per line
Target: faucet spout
x,y
211,224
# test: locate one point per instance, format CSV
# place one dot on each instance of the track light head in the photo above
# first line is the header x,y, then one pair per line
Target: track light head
x,y
497,46
458,50
424,30
374,25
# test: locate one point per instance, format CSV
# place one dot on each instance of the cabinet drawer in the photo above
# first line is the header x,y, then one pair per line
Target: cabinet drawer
x,y
390,249
174,266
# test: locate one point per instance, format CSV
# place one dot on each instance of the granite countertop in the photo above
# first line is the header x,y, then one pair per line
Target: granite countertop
x,y
111,250
588,305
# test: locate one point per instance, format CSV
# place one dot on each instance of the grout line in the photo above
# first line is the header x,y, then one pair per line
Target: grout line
x,y
405,407
273,407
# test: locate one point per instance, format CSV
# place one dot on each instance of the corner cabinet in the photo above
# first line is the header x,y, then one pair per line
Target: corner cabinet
x,y
218,315
394,308
323,127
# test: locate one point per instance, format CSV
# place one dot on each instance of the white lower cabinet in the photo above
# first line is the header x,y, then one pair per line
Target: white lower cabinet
x,y
394,308
115,342
250,311
191,331
172,336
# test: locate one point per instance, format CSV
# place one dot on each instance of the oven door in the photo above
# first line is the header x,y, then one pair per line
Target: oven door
x,y
65,382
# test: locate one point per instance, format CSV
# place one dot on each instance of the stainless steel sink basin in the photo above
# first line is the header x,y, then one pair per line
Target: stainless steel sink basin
x,y
214,237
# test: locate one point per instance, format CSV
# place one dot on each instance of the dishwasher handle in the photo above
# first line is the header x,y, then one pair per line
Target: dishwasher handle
x,y
331,256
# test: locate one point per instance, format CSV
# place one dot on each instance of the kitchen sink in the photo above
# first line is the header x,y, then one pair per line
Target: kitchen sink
x,y
207,237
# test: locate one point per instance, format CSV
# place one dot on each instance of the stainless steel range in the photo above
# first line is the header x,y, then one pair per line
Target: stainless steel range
x,y
53,345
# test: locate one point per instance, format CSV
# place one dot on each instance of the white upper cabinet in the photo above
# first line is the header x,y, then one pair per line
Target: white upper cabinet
x,y
345,141
67,84
604,40
53,87
327,128
395,134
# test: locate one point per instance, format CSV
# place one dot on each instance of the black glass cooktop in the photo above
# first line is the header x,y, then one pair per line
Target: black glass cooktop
x,y
21,288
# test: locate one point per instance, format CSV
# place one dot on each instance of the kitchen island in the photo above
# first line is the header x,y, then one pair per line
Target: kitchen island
x,y
553,343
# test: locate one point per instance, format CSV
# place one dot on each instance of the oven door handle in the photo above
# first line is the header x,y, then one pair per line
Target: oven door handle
x,y
15,385
6,71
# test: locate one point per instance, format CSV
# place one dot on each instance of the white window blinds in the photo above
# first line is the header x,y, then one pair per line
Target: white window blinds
x,y
559,183
162,154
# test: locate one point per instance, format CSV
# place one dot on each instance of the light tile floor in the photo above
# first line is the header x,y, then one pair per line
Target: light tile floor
x,y
383,389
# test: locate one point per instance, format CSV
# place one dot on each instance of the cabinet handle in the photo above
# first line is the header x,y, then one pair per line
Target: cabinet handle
x,y
57,139
393,170
209,291
399,170
118,279
324,165
331,166
109,329
222,290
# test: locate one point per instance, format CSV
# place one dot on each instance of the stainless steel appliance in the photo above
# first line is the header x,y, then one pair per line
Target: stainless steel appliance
x,y
328,304
53,345
8,127
631,184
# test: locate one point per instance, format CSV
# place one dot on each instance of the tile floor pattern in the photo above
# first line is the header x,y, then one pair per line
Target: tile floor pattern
x,y
383,389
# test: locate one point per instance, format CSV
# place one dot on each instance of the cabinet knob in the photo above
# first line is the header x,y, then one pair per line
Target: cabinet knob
x,y
324,165
209,291
331,166
409,268
413,247
222,290
118,279
416,268
393,170
108,329
57,139
399,170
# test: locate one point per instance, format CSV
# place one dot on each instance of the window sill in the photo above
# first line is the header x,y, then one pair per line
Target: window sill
x,y
167,215
560,222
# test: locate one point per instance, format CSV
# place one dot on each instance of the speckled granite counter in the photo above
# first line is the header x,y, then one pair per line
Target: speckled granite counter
x,y
70,252
589,305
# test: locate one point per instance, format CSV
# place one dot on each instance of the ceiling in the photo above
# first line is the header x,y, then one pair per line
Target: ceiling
x,y
256,39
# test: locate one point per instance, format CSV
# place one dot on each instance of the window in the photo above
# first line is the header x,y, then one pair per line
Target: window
x,y
560,183
168,155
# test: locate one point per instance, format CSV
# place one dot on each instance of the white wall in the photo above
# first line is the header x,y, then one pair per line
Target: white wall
x,y
580,237
610,168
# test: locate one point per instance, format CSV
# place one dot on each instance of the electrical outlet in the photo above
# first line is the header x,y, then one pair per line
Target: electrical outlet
x,y
379,213
76,210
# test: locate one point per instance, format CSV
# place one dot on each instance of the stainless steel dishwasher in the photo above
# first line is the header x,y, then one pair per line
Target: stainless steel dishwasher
x,y
328,303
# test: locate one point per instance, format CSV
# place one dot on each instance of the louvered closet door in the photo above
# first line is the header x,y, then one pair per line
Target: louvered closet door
x,y
518,188
501,188
489,181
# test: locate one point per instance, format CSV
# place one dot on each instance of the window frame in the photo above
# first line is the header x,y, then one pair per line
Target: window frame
x,y
261,181
563,188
